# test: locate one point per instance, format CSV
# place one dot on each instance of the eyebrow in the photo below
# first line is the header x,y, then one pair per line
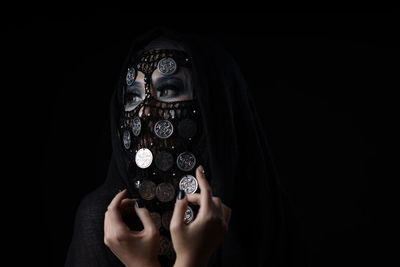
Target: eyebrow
x,y
136,85
159,81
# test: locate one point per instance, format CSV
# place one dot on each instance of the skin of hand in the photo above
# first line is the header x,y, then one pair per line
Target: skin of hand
x,y
194,243
133,248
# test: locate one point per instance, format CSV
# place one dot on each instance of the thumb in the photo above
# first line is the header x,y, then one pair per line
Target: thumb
x,y
179,210
144,216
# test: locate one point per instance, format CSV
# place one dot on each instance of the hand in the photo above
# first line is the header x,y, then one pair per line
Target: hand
x,y
194,243
131,247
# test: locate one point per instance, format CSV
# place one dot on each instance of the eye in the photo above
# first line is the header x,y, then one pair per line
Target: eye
x,y
168,91
132,100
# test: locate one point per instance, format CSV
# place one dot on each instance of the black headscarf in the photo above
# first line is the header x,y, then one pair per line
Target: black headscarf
x,y
239,166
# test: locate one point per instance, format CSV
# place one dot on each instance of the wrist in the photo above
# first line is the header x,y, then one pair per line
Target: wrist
x,y
145,264
191,261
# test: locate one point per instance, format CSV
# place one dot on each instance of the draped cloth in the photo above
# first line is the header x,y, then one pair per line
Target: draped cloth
x,y
239,165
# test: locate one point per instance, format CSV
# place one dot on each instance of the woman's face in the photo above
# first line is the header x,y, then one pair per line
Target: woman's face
x,y
171,88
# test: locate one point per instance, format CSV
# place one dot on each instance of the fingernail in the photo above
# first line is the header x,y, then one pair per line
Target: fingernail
x,y
139,203
201,168
181,194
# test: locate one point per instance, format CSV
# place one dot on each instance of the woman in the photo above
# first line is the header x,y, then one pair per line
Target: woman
x,y
183,124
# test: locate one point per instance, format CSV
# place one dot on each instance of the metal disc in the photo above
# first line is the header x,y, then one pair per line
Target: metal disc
x,y
186,161
163,129
130,76
166,219
189,215
189,184
187,128
126,139
165,245
164,160
171,253
167,66
147,190
156,219
136,126
143,158
165,192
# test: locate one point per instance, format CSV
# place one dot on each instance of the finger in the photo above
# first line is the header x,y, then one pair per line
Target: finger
x,y
226,213
224,210
117,199
128,202
113,222
144,216
127,206
181,205
204,186
218,203
194,198
113,216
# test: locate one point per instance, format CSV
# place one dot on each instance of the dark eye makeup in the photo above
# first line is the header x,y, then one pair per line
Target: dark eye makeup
x,y
168,87
133,95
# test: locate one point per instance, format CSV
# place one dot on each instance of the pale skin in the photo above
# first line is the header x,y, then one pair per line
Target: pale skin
x,y
133,248
175,87
194,243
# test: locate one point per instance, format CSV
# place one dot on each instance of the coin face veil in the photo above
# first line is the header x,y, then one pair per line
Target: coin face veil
x,y
163,142
157,145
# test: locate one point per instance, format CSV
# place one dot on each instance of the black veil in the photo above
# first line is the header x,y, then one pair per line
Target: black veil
x,y
238,163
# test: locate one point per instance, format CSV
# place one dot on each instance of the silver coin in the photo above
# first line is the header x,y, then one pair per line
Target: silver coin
x,y
163,129
164,160
130,76
165,192
165,245
171,254
126,139
189,184
143,158
147,190
136,126
166,219
187,128
156,219
186,161
189,215
167,66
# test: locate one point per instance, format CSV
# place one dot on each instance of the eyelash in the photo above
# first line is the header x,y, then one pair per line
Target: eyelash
x,y
130,96
168,87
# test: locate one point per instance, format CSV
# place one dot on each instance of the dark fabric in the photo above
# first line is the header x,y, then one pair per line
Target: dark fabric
x,y
262,230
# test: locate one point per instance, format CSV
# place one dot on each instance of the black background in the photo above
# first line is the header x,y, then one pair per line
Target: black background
x,y
323,83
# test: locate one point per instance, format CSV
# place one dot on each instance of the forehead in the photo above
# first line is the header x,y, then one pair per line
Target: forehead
x,y
158,62
166,61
